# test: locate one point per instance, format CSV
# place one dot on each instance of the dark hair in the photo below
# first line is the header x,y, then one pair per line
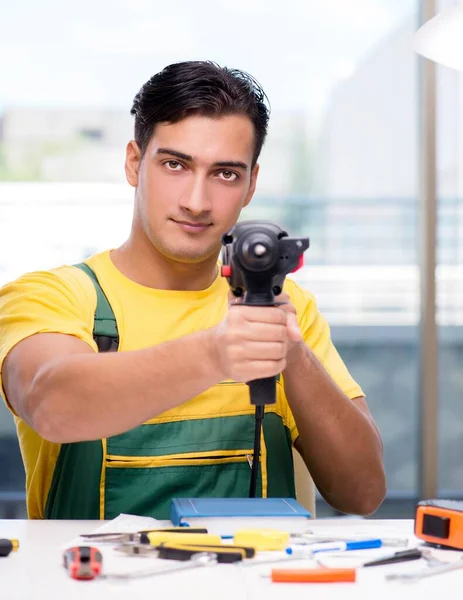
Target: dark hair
x,y
199,88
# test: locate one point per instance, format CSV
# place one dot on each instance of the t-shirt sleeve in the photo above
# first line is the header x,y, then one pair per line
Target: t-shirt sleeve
x,y
316,333
62,300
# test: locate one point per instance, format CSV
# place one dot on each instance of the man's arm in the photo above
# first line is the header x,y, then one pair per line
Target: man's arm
x,y
67,392
338,439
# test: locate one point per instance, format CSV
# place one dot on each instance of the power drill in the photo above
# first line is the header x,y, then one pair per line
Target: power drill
x,y
257,256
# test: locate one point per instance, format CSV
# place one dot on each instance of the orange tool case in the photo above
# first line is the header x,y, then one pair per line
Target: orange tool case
x,y
440,523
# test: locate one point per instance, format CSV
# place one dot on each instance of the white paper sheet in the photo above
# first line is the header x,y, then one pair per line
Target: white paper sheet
x,y
125,523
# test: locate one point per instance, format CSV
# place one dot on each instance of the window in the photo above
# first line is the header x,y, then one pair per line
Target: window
x,y
340,163
449,276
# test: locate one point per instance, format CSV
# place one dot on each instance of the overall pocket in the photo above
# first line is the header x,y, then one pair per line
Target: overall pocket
x,y
145,485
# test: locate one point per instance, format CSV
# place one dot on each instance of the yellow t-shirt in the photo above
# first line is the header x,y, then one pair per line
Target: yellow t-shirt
x,y
63,300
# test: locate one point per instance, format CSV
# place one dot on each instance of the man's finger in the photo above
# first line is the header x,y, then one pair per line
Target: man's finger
x,y
264,314
232,299
294,333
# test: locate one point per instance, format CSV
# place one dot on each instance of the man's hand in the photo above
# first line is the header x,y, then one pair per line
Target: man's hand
x,y
253,342
296,342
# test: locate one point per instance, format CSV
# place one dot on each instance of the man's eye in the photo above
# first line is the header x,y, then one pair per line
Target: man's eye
x,y
173,165
228,175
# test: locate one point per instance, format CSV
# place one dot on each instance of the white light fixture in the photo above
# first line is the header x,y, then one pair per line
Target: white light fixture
x,y
441,38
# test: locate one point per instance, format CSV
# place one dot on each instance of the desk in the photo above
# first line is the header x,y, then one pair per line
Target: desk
x,y
36,571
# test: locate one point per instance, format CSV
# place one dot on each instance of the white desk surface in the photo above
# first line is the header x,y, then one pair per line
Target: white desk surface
x,y
36,571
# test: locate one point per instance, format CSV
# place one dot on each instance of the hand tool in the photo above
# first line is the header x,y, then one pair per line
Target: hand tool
x,y
83,562
313,575
7,546
257,256
275,539
178,551
311,537
222,553
121,537
307,551
154,538
438,569
402,556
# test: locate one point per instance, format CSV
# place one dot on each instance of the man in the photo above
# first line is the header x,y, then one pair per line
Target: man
x,y
168,414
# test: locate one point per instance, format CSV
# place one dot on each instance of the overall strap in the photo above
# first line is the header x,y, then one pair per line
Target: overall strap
x,y
105,331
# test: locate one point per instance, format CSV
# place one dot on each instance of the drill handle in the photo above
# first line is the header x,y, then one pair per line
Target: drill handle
x,y
263,391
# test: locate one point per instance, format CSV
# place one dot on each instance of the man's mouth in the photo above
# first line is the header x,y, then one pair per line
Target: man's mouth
x,y
192,226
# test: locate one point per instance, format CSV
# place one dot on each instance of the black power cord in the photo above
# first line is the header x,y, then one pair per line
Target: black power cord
x,y
256,455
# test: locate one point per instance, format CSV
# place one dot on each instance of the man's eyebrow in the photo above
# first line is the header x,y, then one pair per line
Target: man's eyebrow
x,y
236,164
176,153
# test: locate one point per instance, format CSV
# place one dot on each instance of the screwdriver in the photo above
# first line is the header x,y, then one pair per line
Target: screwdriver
x,y
122,537
7,546
166,537
404,555
184,552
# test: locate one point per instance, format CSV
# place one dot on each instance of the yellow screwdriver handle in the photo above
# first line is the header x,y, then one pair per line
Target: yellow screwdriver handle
x,y
159,537
262,539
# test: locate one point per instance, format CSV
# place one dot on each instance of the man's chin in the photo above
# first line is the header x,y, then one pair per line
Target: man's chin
x,y
190,256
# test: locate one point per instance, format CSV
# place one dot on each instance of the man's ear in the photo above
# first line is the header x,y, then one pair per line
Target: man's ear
x,y
132,163
252,186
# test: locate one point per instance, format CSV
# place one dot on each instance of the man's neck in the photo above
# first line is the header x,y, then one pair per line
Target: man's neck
x,y
143,264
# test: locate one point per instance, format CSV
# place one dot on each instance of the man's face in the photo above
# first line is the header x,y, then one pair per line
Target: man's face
x,y
193,181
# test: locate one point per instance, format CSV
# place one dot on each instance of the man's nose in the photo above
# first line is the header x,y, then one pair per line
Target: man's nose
x,y
196,198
